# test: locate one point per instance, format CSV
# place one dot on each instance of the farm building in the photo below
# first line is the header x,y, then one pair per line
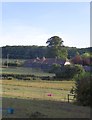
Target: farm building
x,y
43,63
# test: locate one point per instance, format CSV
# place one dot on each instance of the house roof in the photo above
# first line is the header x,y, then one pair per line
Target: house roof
x,y
46,61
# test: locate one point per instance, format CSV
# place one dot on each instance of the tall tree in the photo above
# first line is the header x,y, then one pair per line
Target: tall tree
x,y
56,48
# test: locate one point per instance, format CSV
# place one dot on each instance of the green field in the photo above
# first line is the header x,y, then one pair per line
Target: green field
x,y
31,98
24,70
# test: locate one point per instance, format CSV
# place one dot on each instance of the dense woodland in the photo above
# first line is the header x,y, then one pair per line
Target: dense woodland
x,y
54,49
30,52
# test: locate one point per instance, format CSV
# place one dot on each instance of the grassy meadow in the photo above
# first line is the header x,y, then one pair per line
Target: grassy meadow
x,y
29,98
35,108
24,70
37,89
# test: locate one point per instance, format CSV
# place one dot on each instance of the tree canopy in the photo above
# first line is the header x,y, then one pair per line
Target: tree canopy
x,y
56,48
55,41
30,52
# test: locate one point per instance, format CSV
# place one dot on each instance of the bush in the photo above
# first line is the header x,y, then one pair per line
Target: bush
x,y
82,89
69,71
55,67
10,64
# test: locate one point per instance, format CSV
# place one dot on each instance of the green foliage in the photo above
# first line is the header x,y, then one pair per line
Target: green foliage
x,y
72,51
24,52
55,67
10,64
86,55
79,69
14,63
55,41
56,48
82,88
87,58
30,52
69,71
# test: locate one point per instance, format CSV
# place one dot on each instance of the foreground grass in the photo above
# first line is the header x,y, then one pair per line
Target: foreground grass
x,y
29,99
35,108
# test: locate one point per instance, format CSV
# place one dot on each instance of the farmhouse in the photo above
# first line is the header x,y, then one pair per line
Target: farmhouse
x,y
43,63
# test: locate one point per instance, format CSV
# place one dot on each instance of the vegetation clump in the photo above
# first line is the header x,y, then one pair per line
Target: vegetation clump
x,y
82,89
67,71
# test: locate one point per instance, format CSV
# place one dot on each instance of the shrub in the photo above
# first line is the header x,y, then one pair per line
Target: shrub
x,y
10,64
82,88
69,71
55,67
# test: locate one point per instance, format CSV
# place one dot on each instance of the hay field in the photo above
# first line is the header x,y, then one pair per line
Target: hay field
x,y
30,100
37,89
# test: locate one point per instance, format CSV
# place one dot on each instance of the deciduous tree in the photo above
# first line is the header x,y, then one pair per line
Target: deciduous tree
x,y
56,47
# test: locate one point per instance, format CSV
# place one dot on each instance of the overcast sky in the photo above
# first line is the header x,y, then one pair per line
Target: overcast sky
x,y
32,23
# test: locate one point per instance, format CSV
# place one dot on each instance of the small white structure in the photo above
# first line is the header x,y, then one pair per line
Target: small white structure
x,y
44,58
67,62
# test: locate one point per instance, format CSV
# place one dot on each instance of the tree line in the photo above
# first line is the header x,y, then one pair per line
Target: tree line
x,y
30,52
54,48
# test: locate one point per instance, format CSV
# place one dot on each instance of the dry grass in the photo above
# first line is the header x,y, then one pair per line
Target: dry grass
x,y
29,99
65,85
37,89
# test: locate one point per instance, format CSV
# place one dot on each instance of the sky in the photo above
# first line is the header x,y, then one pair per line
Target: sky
x,y
33,23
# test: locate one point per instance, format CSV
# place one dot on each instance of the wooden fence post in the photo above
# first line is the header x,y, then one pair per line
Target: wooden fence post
x,y
68,98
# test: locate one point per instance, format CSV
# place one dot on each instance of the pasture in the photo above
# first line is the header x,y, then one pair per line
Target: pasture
x,y
37,89
24,70
35,108
31,98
